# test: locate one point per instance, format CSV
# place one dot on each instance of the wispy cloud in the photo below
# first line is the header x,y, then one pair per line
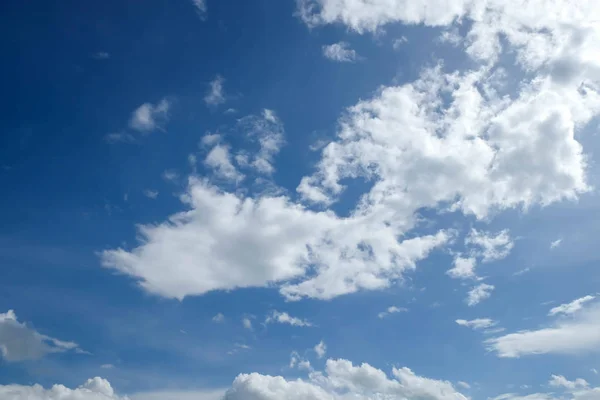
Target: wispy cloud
x,y
391,310
149,117
285,318
479,293
151,194
572,307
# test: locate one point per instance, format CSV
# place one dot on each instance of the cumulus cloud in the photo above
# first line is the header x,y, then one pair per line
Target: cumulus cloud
x,y
464,268
285,318
219,159
225,241
149,117
18,342
561,381
391,310
573,334
479,293
341,380
320,349
216,93
477,324
340,52
93,389
490,247
572,307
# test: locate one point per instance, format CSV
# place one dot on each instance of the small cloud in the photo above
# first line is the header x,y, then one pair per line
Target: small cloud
x,y
216,93
451,37
101,55
107,366
464,268
561,381
285,318
572,307
242,346
555,243
247,323
219,318
479,293
151,194
464,385
397,43
340,52
477,324
522,272
149,117
594,371
320,349
170,175
391,310
119,137
230,111
200,8
210,139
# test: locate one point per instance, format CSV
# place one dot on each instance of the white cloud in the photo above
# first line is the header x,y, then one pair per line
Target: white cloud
x,y
219,318
342,380
210,139
594,371
464,268
320,348
573,334
216,93
391,310
340,52
561,381
219,159
18,342
149,117
555,243
572,307
479,293
285,318
119,137
463,384
93,389
477,324
267,130
201,8
491,247
107,366
151,194
247,323
225,241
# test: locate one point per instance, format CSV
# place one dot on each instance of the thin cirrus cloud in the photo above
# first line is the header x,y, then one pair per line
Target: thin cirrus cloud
x,y
572,307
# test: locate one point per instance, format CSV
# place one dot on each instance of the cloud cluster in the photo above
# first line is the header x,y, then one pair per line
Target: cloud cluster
x,y
93,389
18,342
342,380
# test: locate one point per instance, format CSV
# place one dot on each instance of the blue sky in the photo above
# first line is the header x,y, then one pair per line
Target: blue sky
x,y
314,199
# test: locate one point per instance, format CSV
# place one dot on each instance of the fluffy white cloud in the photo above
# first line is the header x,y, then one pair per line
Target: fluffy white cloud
x,y
464,268
391,310
490,247
320,348
149,117
93,389
225,241
247,323
215,94
343,380
340,52
479,293
572,307
220,160
18,342
561,381
285,318
477,324
573,334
